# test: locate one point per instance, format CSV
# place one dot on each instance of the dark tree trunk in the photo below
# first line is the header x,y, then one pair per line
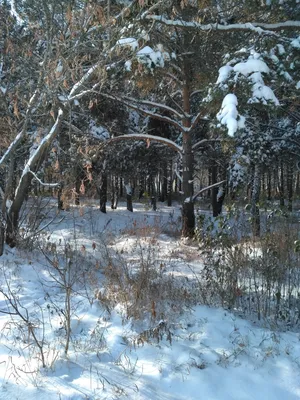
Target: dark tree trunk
x,y
255,214
153,203
141,188
77,188
2,233
269,197
164,183
290,186
220,199
14,211
129,197
214,191
188,215
114,192
60,203
222,191
169,184
121,187
103,192
297,184
281,186
12,228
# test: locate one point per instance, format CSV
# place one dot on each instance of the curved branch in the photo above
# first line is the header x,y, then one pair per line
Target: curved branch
x,y
140,136
203,141
145,112
207,188
156,105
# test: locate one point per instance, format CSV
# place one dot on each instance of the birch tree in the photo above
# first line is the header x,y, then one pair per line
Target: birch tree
x,y
66,61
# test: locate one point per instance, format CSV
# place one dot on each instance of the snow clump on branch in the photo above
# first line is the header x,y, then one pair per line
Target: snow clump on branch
x,y
229,116
253,68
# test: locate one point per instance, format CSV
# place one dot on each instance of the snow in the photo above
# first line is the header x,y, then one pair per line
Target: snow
x,y
250,66
281,49
296,43
252,69
228,114
59,67
298,85
205,352
224,73
128,65
128,42
260,92
98,132
150,57
211,350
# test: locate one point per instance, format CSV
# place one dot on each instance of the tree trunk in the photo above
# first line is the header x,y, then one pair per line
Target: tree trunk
x,y
281,186
164,182
114,192
22,190
220,199
188,214
2,233
103,192
77,188
14,211
60,203
290,186
169,184
255,214
297,184
141,188
129,197
214,191
269,179
121,187
153,203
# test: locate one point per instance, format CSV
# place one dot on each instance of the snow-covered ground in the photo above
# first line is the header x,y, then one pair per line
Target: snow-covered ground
x,y
192,352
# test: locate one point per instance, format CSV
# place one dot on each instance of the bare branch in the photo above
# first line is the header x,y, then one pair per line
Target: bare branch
x,y
203,141
140,136
156,105
197,118
207,188
146,112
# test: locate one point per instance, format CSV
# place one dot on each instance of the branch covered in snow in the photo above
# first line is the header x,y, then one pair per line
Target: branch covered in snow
x,y
258,27
21,134
50,185
228,115
78,86
36,157
205,189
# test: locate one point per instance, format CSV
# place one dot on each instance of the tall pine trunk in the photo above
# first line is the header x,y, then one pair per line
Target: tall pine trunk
x,y
255,195
169,184
188,214
103,192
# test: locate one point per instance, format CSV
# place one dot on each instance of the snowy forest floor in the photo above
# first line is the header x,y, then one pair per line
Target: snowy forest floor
x,y
128,287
